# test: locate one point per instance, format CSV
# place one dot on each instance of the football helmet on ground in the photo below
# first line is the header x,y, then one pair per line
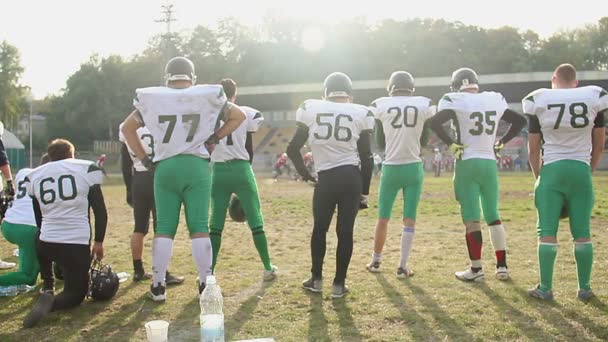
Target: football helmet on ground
x,y
235,210
104,282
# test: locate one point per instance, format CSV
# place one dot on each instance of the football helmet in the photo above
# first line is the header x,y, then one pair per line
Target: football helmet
x,y
400,81
337,84
180,68
235,210
464,78
104,282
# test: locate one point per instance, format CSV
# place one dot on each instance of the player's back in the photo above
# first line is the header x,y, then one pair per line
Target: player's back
x,y
566,118
333,131
180,120
233,145
477,118
21,210
61,189
403,119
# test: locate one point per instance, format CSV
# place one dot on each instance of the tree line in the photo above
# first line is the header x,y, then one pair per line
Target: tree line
x,y
97,97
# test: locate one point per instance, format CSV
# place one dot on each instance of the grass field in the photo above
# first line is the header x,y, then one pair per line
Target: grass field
x,y
432,306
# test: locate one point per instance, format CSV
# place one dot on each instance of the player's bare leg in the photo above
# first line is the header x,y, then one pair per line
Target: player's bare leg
x,y
379,240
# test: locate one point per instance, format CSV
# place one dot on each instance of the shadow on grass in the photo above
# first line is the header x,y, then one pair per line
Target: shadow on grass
x,y
525,324
317,322
599,331
245,311
418,327
447,324
348,330
552,313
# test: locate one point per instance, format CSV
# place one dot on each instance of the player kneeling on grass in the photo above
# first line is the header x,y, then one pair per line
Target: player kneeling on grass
x,y
181,118
62,192
139,181
567,125
339,135
476,116
232,174
400,125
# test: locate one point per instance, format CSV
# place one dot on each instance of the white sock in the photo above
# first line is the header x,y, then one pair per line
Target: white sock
x,y
162,249
376,257
203,256
407,241
498,237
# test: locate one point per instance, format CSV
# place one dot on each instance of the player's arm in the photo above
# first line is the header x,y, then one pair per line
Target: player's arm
x,y
232,116
597,140
249,146
293,152
37,212
517,122
535,138
379,135
437,122
5,168
97,203
129,130
126,165
364,147
426,132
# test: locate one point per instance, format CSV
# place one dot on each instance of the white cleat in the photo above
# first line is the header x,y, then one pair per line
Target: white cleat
x,y
6,265
469,275
502,273
373,266
270,275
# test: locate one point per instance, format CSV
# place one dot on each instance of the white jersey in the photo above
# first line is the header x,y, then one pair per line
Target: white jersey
x,y
62,188
180,120
566,118
477,117
233,145
333,131
21,210
403,119
147,141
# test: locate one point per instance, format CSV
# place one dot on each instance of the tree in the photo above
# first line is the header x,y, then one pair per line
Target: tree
x,y
12,94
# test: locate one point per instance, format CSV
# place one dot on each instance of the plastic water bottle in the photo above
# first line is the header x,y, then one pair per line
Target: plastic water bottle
x,y
123,276
212,315
13,290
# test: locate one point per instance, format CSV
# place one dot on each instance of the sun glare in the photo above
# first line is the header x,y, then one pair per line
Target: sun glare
x,y
313,39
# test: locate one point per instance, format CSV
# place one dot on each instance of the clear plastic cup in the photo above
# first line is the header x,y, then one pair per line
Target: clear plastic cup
x,y
157,331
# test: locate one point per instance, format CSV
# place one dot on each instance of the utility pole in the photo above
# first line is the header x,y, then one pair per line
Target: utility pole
x,y
167,18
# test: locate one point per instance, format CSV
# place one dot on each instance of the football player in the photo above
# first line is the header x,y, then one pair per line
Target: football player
x,y
19,227
565,142
62,192
339,135
400,123
5,169
232,174
475,115
181,118
140,196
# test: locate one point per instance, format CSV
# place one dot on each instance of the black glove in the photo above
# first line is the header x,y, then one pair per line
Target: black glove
x,y
148,163
363,202
129,198
10,188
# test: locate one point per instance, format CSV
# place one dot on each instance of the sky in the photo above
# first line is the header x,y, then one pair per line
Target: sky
x,y
55,37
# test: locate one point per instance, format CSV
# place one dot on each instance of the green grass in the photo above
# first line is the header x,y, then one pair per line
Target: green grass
x,y
431,306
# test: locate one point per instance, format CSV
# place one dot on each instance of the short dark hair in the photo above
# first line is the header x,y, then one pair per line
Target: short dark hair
x,y
45,159
565,72
229,87
60,149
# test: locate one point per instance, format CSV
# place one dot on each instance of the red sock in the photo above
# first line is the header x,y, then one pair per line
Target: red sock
x,y
501,259
474,243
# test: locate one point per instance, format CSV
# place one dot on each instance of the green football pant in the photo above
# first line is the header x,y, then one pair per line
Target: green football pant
x,y
474,180
182,179
234,177
25,237
569,182
406,178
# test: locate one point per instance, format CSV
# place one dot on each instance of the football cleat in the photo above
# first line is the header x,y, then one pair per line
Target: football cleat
x,y
400,81
373,266
403,273
339,291
157,293
502,273
6,265
271,274
584,295
313,285
201,288
170,279
464,78
337,84
469,275
536,292
141,275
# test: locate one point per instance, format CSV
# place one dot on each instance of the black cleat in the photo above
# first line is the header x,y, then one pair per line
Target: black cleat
x,y
201,288
170,279
157,293
141,275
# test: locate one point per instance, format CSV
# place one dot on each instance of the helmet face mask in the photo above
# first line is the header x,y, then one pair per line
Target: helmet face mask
x,y
463,79
400,81
337,85
104,282
179,69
